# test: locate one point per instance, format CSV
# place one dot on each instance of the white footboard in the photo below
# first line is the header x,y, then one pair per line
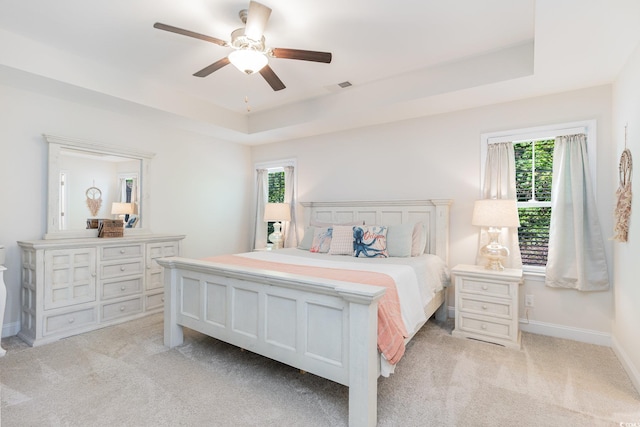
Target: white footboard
x,y
325,327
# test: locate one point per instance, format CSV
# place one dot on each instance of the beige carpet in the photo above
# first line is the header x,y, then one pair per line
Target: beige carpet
x,y
124,376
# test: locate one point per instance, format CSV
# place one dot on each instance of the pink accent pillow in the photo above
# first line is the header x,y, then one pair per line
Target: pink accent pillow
x,y
341,240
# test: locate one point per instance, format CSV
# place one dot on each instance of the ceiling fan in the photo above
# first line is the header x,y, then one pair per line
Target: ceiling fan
x,y
250,54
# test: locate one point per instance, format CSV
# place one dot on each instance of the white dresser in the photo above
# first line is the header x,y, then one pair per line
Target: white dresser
x,y
70,286
487,304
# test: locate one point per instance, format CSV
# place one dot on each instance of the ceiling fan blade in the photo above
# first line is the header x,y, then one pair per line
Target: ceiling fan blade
x,y
305,55
213,67
271,78
188,33
257,18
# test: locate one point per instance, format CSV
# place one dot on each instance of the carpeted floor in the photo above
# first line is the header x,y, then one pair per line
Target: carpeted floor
x,y
124,376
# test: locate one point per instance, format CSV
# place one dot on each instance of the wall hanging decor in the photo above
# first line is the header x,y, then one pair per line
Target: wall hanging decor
x,y
623,193
94,200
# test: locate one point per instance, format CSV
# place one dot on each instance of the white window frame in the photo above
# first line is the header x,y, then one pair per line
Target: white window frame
x,y
587,127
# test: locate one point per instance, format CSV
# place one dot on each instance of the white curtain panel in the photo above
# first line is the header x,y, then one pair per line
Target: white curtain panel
x,y
262,188
500,183
576,256
290,230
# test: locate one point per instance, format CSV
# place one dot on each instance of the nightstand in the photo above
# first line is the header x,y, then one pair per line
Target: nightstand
x,y
487,304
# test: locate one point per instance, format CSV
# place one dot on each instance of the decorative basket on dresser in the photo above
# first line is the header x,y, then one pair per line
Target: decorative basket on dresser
x,y
70,286
487,304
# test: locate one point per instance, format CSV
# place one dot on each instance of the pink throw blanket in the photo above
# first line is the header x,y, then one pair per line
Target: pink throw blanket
x,y
391,329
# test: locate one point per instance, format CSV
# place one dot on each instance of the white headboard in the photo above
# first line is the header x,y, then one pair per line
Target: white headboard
x,y
433,212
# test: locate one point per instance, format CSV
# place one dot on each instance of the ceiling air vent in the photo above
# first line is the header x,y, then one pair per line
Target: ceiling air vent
x,y
339,86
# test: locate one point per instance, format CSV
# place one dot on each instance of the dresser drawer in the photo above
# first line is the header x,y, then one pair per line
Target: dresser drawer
x,y
121,252
124,268
485,287
472,303
485,326
154,301
121,308
71,320
121,288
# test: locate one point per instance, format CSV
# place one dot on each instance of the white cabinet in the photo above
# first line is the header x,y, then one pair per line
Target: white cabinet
x,y
487,304
70,286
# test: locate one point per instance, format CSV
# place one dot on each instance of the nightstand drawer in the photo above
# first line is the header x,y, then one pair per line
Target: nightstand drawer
x,y
486,288
485,326
470,303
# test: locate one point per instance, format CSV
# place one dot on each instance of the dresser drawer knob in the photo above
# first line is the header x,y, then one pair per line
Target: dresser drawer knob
x,y
484,326
122,288
71,320
122,268
162,299
485,287
122,251
122,308
484,306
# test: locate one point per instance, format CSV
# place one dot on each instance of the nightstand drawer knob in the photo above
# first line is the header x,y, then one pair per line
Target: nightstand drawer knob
x,y
122,288
122,308
123,268
484,326
71,320
484,306
122,251
485,287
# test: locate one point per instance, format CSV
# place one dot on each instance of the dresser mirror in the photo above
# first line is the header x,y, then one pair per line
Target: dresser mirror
x,y
89,180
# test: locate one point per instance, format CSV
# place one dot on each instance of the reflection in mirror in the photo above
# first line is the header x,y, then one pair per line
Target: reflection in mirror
x,y
86,179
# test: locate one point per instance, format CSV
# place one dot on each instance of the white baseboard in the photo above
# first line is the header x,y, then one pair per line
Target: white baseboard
x,y
628,366
567,332
10,329
559,331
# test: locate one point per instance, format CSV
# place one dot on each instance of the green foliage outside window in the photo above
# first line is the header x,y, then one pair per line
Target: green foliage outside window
x,y
276,192
534,169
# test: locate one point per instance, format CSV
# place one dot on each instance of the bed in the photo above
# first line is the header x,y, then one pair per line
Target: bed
x,y
322,325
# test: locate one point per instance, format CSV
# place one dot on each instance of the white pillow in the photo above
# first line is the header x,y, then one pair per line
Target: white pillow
x,y
400,240
419,239
307,239
342,240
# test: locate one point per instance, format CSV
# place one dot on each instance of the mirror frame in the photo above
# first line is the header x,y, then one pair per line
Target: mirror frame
x,y
56,144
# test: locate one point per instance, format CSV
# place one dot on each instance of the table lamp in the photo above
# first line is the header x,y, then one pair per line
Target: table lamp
x,y
495,214
277,212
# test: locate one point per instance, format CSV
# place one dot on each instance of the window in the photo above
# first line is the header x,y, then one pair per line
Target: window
x,y
534,168
533,152
275,191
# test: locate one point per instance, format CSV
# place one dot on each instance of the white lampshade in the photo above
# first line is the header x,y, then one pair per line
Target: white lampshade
x,y
122,208
277,212
495,213
248,61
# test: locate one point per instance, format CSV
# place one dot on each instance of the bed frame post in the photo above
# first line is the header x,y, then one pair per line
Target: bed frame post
x,y
363,360
173,334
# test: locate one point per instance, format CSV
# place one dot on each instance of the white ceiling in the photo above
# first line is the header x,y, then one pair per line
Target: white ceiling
x,y
405,59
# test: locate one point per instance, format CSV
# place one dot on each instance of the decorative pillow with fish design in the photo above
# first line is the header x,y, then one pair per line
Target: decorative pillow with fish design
x,y
370,241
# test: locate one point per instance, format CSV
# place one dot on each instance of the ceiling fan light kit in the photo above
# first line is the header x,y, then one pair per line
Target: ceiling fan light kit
x,y
250,54
248,61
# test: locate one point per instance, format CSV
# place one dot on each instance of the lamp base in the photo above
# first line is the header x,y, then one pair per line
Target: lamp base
x,y
276,237
494,251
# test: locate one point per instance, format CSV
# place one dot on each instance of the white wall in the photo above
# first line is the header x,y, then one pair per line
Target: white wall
x,y
439,157
626,112
198,185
